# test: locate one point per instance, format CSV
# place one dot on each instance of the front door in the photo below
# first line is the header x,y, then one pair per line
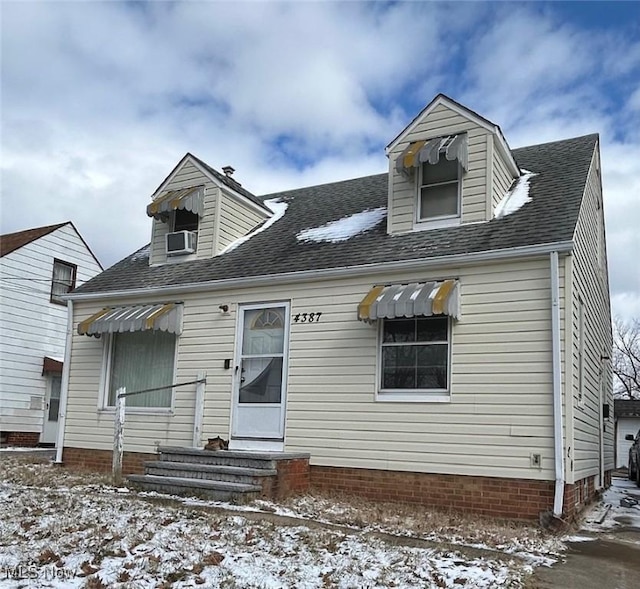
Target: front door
x,y
260,379
52,407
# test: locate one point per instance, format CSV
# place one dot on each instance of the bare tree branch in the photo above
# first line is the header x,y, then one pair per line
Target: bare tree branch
x,y
626,358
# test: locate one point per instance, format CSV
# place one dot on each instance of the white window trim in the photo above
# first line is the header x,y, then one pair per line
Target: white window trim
x,y
442,220
56,299
408,395
105,382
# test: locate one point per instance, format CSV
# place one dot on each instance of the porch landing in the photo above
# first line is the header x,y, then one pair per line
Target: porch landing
x,y
225,475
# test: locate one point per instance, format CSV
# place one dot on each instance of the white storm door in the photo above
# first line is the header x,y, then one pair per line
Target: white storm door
x,y
261,373
51,410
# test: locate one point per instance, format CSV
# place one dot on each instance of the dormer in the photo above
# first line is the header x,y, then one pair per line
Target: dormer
x,y
197,212
448,167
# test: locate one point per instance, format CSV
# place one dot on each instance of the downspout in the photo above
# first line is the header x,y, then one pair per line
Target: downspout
x,y
557,385
64,389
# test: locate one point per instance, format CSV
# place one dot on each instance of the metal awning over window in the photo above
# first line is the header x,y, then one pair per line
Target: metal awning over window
x,y
190,199
162,316
51,365
453,147
410,300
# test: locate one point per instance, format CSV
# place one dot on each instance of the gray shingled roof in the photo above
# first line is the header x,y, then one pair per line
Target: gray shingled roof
x,y
228,181
626,407
556,192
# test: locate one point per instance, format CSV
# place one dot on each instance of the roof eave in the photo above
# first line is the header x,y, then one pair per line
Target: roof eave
x,y
563,247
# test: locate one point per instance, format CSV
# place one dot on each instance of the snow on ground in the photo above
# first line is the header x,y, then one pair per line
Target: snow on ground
x,y
515,198
69,530
279,209
610,514
13,449
344,228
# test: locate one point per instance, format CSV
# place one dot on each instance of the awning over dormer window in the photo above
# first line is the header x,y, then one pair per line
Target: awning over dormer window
x,y
190,199
159,316
452,147
418,299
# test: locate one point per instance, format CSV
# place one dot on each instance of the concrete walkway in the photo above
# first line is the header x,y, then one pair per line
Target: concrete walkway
x,y
608,555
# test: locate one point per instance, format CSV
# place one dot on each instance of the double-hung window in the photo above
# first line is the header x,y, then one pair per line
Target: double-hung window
x,y
142,360
414,357
63,280
439,191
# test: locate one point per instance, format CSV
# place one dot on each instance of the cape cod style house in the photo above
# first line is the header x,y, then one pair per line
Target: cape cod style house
x,y
437,334
37,267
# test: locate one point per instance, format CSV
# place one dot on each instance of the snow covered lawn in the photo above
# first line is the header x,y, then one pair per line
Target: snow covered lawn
x,y
60,529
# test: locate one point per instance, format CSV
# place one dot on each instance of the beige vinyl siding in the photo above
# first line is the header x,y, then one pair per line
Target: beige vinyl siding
x,y
31,326
87,420
188,175
590,284
236,220
501,401
502,178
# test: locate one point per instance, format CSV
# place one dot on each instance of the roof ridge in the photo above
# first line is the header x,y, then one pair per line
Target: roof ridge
x,y
9,242
567,139
325,184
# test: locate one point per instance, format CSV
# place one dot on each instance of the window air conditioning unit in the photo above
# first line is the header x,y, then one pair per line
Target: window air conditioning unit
x,y
181,242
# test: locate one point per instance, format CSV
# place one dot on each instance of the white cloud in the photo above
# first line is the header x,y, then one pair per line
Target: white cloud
x,y
101,99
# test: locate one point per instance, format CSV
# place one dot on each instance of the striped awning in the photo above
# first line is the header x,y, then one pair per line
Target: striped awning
x,y
160,316
410,300
453,147
190,199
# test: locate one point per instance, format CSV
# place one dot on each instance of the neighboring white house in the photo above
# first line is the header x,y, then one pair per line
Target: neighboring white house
x,y
627,421
439,333
37,267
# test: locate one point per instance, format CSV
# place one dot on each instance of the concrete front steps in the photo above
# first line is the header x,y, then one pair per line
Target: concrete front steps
x,y
224,475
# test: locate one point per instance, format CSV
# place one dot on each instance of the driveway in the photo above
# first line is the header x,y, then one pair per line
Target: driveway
x,y
606,554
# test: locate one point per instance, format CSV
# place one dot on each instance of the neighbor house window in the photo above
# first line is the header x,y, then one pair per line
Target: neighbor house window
x,y
415,355
439,190
63,280
139,361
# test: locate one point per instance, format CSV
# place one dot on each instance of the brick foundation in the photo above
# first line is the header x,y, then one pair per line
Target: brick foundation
x,y
292,477
101,460
23,439
497,497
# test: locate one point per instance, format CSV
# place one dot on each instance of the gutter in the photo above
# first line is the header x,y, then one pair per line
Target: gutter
x,y
319,275
64,390
557,385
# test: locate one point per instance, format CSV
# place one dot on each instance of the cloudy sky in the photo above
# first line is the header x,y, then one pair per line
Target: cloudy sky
x,y
101,99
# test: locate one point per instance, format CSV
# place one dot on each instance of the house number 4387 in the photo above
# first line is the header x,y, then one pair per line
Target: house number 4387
x,y
307,317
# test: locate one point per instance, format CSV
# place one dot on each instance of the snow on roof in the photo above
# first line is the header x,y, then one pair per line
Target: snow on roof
x,y
516,197
278,207
142,253
344,228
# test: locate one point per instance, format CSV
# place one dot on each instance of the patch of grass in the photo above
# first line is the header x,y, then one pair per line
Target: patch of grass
x,y
33,471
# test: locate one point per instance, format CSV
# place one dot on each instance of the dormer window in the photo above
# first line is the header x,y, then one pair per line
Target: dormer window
x,y
184,220
181,210
439,191
437,164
